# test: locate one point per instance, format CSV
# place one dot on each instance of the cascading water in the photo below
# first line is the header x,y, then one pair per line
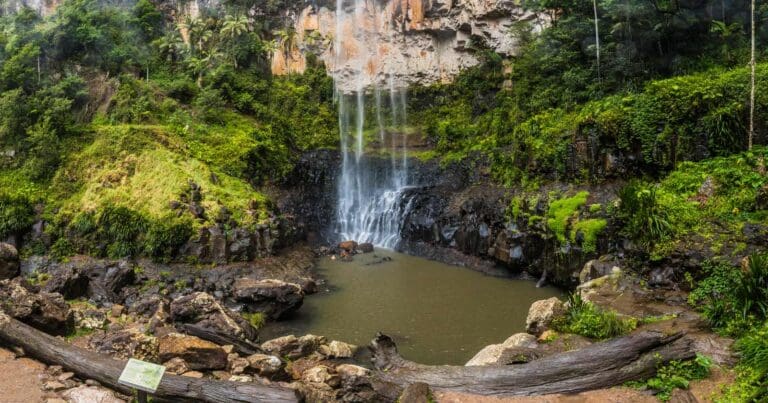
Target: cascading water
x,y
370,206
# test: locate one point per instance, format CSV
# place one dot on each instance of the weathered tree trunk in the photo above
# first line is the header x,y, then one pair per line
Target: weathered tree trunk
x,y
244,347
91,365
600,365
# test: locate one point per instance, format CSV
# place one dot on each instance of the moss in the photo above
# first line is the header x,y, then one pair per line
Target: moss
x,y
595,208
591,228
145,168
256,319
562,211
515,207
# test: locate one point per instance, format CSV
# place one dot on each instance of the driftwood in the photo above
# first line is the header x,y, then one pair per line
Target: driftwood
x,y
91,365
597,366
241,346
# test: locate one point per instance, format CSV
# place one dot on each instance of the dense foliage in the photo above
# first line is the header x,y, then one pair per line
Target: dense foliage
x,y
586,319
112,110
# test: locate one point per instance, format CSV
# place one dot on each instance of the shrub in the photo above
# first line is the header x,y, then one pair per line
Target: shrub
x,y
121,229
16,215
165,238
586,319
731,299
676,374
751,291
644,218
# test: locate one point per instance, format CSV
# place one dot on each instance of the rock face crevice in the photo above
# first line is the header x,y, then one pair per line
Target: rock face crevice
x,y
402,42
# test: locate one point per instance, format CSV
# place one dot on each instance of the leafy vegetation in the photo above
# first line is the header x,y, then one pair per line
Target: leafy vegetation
x,y
676,375
586,319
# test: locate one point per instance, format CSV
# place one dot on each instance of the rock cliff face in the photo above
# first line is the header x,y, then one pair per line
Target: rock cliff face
x,y
399,42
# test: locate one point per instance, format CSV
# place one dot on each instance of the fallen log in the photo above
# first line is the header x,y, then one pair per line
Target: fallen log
x,y
241,346
600,365
91,365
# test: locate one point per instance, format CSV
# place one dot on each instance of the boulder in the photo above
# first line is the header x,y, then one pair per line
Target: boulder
x,y
91,394
321,377
365,247
69,281
350,372
45,311
594,269
519,347
203,310
9,261
349,246
125,344
196,352
489,355
265,365
236,365
89,318
337,349
176,366
108,282
292,347
520,340
274,298
542,313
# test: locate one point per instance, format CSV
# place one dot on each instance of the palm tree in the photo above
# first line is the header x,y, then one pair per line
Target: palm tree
x,y
197,32
287,40
232,29
170,46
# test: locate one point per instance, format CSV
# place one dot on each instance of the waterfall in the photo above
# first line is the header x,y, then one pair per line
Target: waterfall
x,y
370,193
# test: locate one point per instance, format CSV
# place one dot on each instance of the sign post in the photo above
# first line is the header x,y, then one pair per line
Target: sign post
x,y
143,376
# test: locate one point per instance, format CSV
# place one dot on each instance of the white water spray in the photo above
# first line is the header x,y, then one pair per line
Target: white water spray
x,y
370,203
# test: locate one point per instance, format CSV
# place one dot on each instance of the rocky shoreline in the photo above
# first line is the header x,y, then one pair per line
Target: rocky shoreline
x,y
202,322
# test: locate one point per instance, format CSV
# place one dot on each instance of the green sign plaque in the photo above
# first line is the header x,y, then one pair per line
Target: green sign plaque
x,y
142,375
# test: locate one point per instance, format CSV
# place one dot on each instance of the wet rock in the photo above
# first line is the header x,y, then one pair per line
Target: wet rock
x,y
542,313
265,365
91,394
349,246
504,353
9,261
274,298
126,343
107,282
203,310
198,353
292,347
417,392
337,349
69,281
595,269
365,247
176,366
45,311
662,277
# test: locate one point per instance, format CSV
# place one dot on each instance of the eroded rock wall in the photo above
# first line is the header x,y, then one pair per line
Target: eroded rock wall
x,y
399,42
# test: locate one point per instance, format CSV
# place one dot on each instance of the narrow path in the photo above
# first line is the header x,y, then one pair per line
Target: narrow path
x,y
20,379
